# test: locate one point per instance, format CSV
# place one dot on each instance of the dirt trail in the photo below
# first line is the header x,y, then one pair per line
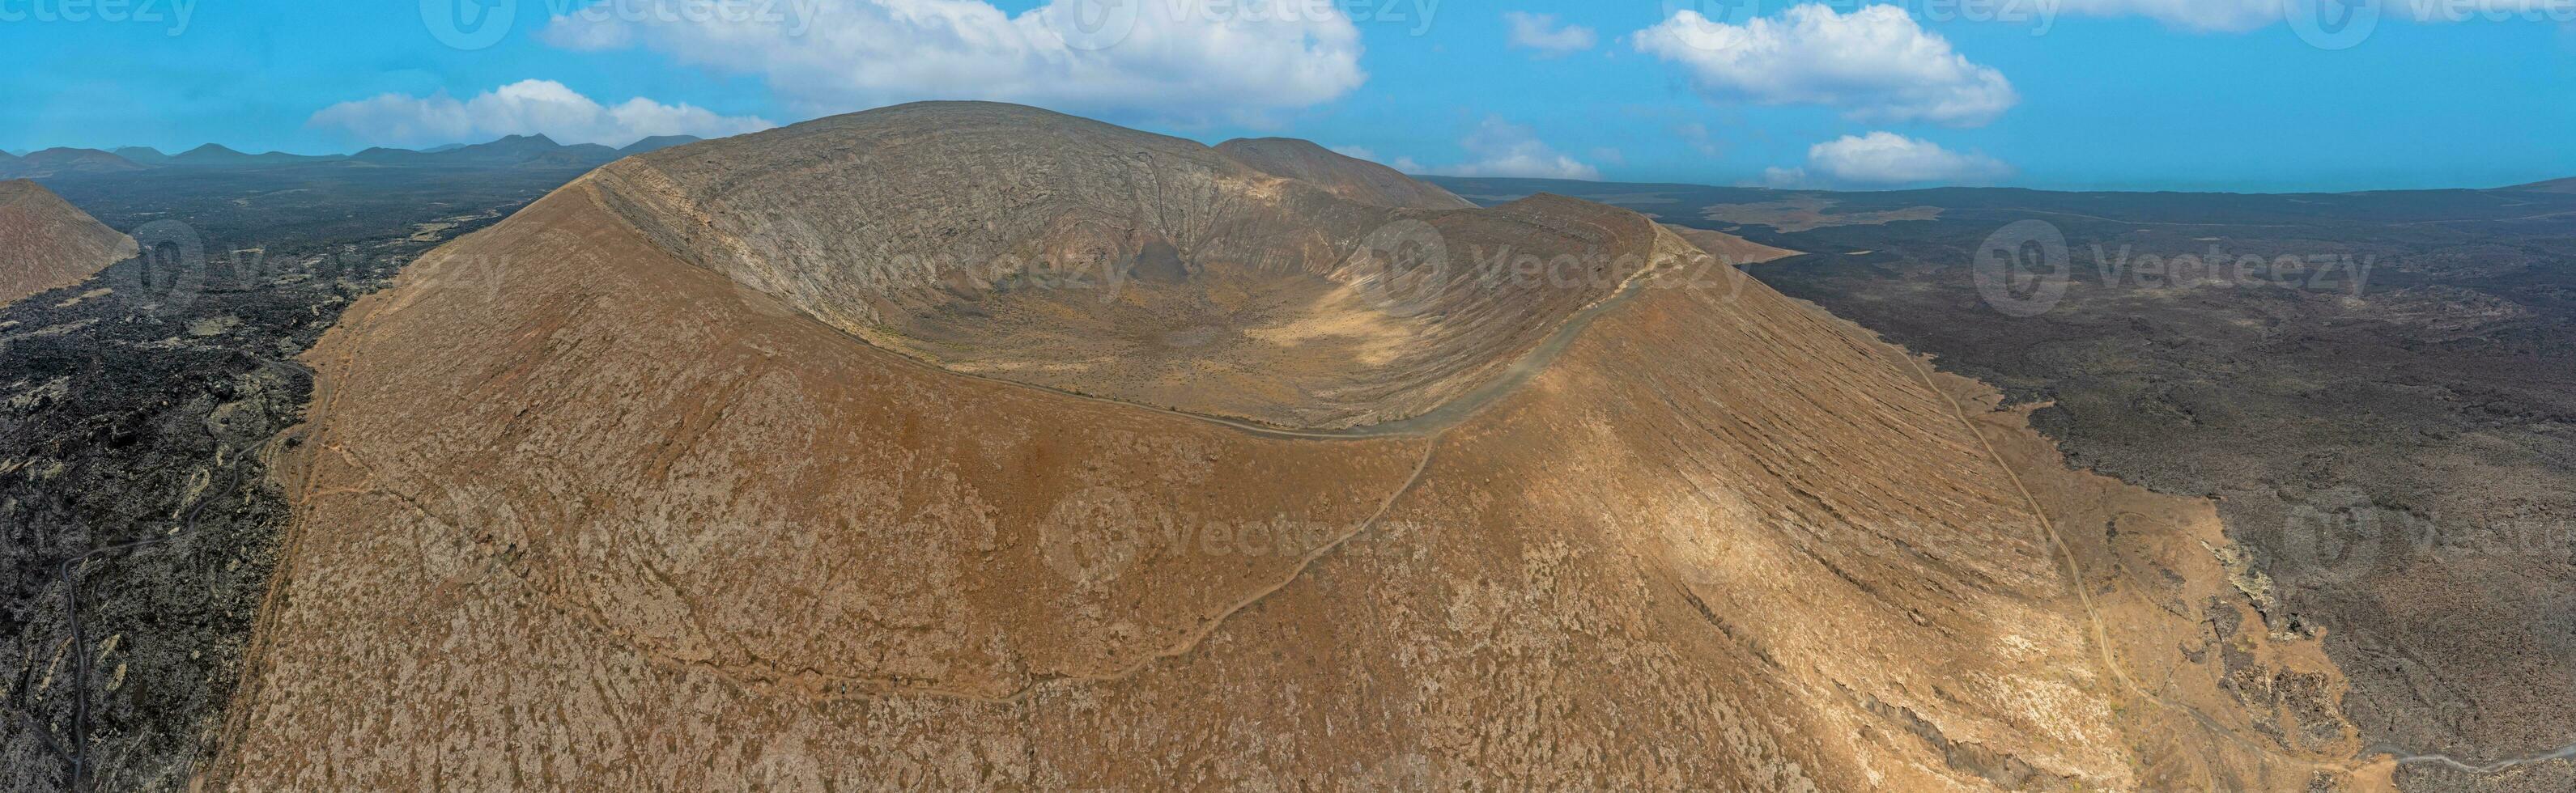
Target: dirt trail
x,y
2076,582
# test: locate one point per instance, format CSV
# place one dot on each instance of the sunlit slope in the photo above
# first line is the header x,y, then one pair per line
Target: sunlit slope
x,y
47,244
633,521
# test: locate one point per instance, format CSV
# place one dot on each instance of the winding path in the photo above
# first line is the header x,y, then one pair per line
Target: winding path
x,y
67,574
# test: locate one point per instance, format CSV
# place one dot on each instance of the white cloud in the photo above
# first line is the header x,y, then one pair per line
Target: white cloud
x,y
523,108
1540,32
1886,158
1502,148
1179,59
1874,62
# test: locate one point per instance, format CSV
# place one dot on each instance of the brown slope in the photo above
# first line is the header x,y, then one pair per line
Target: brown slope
x,y
46,243
1349,177
624,524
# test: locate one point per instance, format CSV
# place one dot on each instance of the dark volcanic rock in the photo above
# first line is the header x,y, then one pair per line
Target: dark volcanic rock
x,y
134,429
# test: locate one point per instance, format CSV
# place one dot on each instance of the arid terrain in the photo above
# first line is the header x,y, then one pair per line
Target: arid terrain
x,y
972,446
136,408
2383,420
658,514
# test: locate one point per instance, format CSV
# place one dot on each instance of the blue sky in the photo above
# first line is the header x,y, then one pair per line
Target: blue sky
x,y
2064,94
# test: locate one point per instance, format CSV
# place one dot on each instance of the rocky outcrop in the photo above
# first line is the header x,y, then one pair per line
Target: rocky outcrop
x,y
46,243
658,515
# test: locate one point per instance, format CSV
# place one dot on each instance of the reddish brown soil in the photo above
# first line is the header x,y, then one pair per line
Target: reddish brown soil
x,y
624,524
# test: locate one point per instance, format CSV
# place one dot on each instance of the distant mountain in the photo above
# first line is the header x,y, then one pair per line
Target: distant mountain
x,y
61,160
512,148
2567,185
515,150
657,142
218,155
142,155
537,150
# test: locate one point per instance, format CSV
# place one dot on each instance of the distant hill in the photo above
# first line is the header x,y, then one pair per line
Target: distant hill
x,y
513,150
658,142
218,155
61,160
142,155
510,151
